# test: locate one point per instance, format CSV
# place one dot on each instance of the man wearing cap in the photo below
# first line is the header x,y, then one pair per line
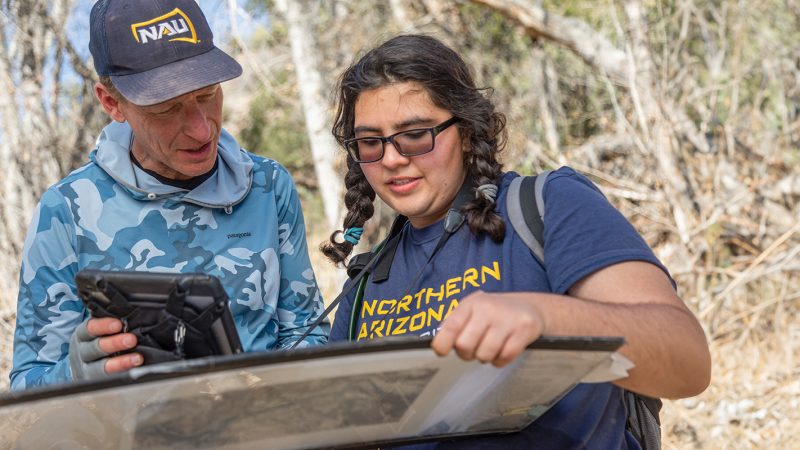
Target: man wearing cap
x,y
165,190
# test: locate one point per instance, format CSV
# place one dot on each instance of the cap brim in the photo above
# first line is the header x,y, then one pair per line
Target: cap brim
x,y
175,79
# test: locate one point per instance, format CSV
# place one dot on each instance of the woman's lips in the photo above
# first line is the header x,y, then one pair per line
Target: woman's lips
x,y
403,185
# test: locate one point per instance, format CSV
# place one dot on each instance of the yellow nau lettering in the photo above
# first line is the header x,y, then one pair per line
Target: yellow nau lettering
x,y
155,29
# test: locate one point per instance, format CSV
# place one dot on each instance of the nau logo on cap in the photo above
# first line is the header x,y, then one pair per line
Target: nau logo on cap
x,y
175,25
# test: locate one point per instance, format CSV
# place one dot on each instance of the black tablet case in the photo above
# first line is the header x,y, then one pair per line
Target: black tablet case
x,y
151,293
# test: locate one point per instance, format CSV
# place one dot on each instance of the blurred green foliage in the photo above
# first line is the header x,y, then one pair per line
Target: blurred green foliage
x,y
276,131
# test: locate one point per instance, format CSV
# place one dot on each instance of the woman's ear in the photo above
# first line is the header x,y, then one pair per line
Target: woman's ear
x,y
466,150
465,141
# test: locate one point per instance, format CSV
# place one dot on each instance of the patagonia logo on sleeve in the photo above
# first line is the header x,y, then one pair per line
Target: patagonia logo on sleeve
x,y
239,235
174,25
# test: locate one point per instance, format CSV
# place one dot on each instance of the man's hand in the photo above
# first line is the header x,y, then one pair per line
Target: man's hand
x,y
489,327
92,343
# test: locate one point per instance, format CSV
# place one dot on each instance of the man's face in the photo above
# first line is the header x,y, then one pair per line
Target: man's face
x,y
178,138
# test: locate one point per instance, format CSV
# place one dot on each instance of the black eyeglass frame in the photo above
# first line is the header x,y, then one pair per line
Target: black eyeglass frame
x,y
434,131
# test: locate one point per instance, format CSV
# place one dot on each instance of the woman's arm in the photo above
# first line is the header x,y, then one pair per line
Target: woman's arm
x,y
631,299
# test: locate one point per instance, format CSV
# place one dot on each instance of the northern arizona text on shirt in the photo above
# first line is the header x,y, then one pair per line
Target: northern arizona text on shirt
x,y
422,310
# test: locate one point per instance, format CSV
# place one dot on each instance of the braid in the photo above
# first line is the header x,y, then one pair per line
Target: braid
x,y
480,214
358,200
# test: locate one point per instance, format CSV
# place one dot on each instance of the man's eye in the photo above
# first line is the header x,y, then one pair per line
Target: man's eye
x,y
167,112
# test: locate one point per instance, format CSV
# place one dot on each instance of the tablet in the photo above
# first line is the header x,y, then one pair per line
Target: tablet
x,y
186,313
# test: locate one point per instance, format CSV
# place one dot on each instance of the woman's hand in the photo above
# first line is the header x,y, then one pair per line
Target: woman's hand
x,y
490,327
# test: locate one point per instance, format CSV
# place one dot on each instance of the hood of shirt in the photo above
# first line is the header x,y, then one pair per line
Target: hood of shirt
x,y
226,187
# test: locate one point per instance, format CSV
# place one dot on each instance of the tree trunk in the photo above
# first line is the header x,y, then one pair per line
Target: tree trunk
x,y
323,147
48,120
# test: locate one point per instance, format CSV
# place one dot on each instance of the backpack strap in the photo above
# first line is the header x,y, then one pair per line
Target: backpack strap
x,y
355,311
358,262
525,216
355,277
643,419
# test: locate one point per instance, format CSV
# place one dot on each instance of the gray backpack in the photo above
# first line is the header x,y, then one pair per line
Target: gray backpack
x,y
527,219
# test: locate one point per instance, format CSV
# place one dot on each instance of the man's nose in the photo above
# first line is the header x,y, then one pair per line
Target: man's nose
x,y
196,124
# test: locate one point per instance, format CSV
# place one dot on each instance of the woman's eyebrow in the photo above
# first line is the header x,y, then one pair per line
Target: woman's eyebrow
x,y
414,121
366,128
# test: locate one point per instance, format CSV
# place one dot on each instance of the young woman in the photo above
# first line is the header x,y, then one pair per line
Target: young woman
x,y
420,134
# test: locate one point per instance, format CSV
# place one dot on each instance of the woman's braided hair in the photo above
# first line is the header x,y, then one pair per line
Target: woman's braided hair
x,y
448,82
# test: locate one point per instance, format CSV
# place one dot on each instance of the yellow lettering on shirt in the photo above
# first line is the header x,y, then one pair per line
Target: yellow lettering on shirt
x,y
401,326
495,272
450,308
362,332
470,276
376,328
386,306
368,308
451,287
424,309
435,314
418,297
417,321
402,305
438,295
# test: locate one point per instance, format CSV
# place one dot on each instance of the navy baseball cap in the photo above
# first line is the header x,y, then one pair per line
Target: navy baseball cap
x,y
155,50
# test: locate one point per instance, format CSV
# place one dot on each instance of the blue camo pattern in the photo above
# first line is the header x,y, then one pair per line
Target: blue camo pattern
x,y
243,225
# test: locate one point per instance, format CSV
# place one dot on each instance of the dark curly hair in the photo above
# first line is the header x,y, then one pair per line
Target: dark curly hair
x,y
448,82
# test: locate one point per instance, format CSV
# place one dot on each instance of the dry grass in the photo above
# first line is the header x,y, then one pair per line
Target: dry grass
x,y
751,403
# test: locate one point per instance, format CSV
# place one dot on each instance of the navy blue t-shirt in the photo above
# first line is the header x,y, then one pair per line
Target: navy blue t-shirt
x,y
583,233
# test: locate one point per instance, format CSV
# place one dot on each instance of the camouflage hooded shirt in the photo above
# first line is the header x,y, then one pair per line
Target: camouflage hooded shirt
x,y
243,225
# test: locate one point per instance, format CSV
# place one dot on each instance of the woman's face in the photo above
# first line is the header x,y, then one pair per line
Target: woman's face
x,y
421,187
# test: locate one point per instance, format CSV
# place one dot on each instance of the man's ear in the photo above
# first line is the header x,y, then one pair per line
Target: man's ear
x,y
109,103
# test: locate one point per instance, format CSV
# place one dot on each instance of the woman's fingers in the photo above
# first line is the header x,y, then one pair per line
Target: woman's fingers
x,y
445,338
471,335
493,328
490,346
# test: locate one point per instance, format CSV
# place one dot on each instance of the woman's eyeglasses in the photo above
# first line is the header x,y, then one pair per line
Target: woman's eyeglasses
x,y
408,143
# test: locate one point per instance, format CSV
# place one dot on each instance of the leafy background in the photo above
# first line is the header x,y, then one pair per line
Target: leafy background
x,y
686,113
